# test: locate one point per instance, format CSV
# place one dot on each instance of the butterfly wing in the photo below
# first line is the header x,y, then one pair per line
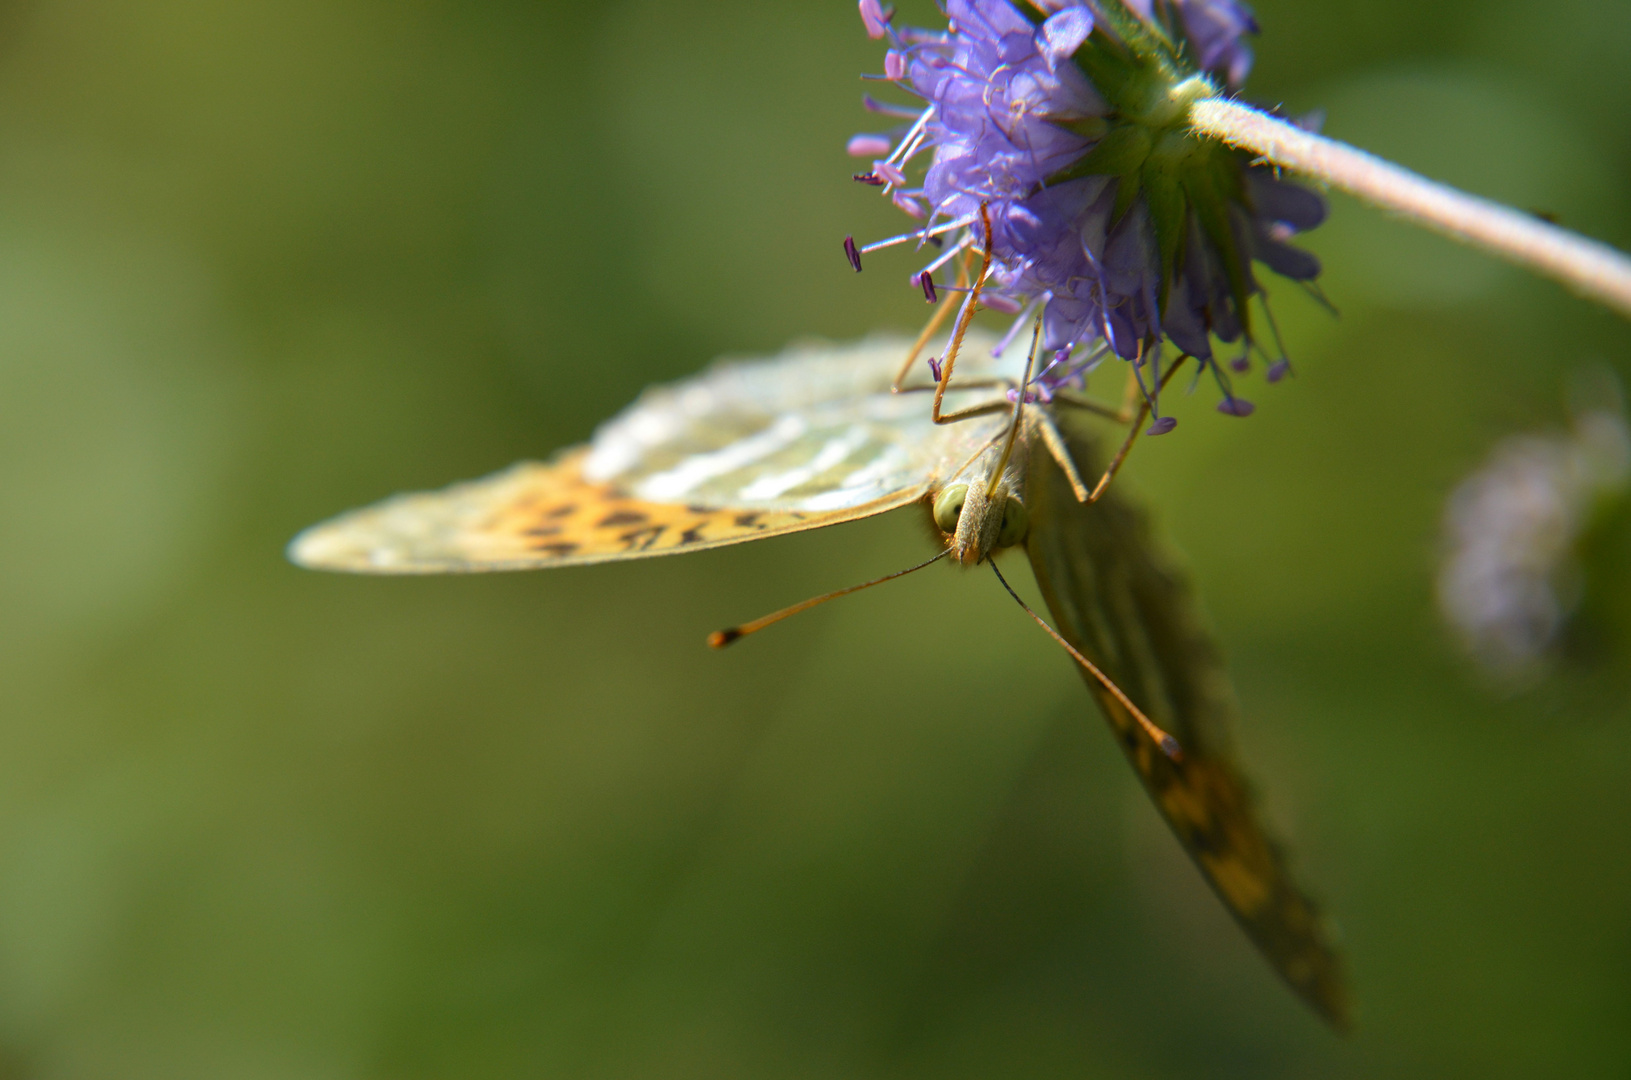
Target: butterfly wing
x,y
538,514
747,449
1113,599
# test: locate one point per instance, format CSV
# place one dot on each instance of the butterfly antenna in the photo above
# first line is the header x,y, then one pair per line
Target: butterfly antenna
x,y
721,638
1169,746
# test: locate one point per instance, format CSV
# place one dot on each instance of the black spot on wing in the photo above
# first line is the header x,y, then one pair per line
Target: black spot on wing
x,y
643,539
623,517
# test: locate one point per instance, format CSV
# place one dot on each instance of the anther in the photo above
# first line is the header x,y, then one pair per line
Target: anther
x,y
934,368
869,146
888,173
870,179
926,280
875,17
852,253
1233,406
1162,425
1279,370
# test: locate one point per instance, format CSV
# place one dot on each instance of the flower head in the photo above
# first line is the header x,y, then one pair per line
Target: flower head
x,y
1065,124
1509,576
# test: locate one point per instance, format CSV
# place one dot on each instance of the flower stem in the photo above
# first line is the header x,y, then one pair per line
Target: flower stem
x,y
1589,268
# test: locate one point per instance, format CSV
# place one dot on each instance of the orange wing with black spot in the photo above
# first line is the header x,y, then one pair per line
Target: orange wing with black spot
x,y
541,514
1115,601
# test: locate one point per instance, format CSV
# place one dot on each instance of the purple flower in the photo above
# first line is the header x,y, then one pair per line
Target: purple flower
x,y
1510,573
1215,29
1068,126
874,18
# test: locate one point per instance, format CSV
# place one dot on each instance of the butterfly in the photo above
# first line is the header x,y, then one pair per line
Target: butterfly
x,y
816,437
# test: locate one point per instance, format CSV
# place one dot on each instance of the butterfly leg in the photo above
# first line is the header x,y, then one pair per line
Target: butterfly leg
x,y
993,382
1123,415
1061,454
965,317
973,410
1018,420
1132,436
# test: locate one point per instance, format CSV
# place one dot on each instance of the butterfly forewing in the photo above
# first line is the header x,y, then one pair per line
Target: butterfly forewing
x,y
746,449
1114,599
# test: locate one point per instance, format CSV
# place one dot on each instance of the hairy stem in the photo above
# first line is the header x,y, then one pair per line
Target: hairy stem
x,y
1591,269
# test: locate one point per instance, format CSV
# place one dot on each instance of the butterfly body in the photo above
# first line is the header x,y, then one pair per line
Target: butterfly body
x,y
816,437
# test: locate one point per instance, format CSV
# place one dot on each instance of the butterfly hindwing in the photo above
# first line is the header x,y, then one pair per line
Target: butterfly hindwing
x,y
1113,598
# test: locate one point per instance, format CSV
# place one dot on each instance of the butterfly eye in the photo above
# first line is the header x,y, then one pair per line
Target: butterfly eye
x,y
948,507
1015,520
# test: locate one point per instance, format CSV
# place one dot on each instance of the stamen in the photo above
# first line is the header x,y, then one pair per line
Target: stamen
x,y
1274,327
1013,330
913,133
910,145
1132,436
851,254
922,36
948,255
1230,405
872,104
916,234
889,173
871,179
875,18
1313,289
934,368
926,280
721,638
1169,746
868,146
930,328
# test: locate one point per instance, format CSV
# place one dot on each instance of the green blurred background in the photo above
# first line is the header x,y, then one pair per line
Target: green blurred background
x,y
260,262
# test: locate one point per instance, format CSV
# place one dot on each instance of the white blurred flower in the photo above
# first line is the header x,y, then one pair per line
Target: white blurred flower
x,y
1509,580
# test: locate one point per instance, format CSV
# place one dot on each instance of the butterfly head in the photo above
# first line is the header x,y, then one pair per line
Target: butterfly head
x,y
978,517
